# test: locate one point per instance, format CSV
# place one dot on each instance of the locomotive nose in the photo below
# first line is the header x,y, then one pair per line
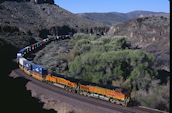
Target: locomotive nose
x,y
126,93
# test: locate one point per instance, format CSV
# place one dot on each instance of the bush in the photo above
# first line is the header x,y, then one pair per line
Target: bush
x,y
81,42
156,97
113,65
79,36
112,59
93,37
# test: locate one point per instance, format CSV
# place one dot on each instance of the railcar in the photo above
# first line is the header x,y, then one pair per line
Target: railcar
x,y
32,46
36,45
28,67
28,49
39,72
23,51
42,43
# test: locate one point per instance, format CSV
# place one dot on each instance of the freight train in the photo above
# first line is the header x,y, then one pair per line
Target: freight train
x,y
116,95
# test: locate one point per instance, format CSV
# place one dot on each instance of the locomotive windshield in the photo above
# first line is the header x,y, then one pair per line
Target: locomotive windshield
x,y
124,91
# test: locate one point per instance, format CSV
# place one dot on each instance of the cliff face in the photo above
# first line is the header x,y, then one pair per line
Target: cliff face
x,y
150,34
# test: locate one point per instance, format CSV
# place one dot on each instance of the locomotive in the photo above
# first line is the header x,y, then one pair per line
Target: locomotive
x,y
116,95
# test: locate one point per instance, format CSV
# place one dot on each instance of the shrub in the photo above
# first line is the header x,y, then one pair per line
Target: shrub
x,y
156,97
93,37
79,36
81,42
113,65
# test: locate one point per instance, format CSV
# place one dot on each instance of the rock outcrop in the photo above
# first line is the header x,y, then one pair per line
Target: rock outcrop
x,y
150,34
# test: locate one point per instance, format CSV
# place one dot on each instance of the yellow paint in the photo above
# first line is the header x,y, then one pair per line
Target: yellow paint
x,y
39,78
27,72
20,67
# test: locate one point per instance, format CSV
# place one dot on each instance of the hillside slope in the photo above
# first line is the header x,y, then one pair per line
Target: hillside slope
x,y
150,34
39,20
116,18
29,16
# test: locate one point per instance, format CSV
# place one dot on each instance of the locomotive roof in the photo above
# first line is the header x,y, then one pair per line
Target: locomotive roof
x,y
38,66
65,77
85,82
99,85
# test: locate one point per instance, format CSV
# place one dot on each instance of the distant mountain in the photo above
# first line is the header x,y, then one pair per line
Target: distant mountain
x,y
150,34
116,18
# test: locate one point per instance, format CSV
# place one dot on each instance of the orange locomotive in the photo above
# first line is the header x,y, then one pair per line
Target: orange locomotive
x,y
113,94
60,79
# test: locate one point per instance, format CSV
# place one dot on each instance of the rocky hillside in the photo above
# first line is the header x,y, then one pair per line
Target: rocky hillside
x,y
150,34
39,20
116,18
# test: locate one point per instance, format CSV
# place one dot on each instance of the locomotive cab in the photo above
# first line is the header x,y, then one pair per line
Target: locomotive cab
x,y
126,96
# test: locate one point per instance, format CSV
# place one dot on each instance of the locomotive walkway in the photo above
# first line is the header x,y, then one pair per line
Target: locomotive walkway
x,y
87,104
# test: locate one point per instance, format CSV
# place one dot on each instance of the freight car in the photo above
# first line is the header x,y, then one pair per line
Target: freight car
x,y
39,72
28,67
109,93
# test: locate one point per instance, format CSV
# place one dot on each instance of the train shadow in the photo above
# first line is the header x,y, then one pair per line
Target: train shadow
x,y
133,103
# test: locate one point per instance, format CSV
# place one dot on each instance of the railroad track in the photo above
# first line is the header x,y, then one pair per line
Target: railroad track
x,y
91,101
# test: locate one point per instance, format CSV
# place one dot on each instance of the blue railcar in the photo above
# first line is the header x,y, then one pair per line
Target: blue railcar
x,y
19,52
39,69
28,48
36,45
23,51
28,65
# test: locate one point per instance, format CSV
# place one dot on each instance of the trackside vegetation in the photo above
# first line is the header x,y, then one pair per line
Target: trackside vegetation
x,y
109,59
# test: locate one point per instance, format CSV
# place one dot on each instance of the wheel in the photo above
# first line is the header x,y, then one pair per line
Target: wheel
x,y
127,101
112,101
123,104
